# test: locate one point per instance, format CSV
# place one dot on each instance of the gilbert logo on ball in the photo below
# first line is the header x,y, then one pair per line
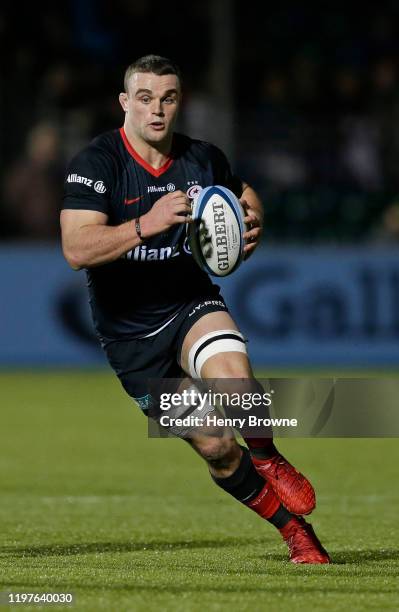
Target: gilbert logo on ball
x,y
216,234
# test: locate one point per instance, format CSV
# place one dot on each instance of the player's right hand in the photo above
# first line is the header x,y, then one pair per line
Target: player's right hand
x,y
171,209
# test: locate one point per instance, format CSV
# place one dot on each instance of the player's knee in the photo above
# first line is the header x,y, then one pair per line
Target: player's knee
x,y
233,386
220,453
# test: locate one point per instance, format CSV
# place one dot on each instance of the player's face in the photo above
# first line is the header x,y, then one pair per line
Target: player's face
x,y
151,105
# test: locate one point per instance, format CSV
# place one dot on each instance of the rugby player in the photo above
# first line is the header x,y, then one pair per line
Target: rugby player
x,y
156,313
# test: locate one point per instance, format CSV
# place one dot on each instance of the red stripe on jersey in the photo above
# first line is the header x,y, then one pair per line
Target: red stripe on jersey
x,y
127,202
154,171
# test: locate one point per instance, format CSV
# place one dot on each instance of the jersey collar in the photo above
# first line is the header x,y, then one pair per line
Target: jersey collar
x,y
154,171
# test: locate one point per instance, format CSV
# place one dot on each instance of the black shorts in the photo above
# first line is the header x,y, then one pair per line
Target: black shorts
x,y
136,361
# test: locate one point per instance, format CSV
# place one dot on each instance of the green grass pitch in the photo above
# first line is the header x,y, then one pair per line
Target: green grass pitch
x,y
90,505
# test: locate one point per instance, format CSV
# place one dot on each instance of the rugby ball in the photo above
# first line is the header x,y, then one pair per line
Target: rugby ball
x,y
216,234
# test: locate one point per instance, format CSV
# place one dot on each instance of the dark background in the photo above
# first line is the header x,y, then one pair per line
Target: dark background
x,y
304,101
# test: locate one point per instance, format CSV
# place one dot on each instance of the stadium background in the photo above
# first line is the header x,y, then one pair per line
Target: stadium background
x,y
306,105
305,101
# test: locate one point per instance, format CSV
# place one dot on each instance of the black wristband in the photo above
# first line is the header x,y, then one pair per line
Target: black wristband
x,y
138,228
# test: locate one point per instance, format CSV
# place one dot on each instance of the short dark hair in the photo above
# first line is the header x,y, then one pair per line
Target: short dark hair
x,y
152,63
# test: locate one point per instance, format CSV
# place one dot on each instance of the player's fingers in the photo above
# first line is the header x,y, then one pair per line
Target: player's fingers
x,y
252,234
249,249
182,219
251,220
252,238
172,197
178,194
180,200
181,208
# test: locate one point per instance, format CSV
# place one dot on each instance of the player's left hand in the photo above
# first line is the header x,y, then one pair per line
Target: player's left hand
x,y
254,229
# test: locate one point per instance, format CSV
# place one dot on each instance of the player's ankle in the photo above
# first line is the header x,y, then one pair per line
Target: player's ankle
x,y
261,448
281,518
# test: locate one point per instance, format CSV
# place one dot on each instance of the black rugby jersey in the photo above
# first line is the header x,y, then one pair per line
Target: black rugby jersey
x,y
140,292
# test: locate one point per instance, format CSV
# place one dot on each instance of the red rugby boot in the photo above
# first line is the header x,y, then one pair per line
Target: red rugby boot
x,y
291,487
303,544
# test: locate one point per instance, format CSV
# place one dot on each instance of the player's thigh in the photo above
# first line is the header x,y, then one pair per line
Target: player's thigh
x,y
137,361
229,364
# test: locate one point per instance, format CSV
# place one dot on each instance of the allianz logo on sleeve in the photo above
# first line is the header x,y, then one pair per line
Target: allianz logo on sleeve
x,y
161,188
98,185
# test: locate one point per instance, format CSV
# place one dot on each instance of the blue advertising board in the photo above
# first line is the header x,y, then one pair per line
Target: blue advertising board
x,y
298,307
319,306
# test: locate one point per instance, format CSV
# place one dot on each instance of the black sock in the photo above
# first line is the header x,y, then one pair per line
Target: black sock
x,y
245,484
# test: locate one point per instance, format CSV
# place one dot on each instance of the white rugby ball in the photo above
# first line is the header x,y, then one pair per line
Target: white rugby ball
x,y
216,233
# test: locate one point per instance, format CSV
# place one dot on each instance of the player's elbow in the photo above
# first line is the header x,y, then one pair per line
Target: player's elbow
x,y
74,258
75,263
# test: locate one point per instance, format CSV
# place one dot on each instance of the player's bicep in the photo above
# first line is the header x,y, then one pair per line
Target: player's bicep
x,y
72,222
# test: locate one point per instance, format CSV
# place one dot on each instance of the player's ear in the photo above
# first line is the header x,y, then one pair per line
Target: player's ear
x,y
123,98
